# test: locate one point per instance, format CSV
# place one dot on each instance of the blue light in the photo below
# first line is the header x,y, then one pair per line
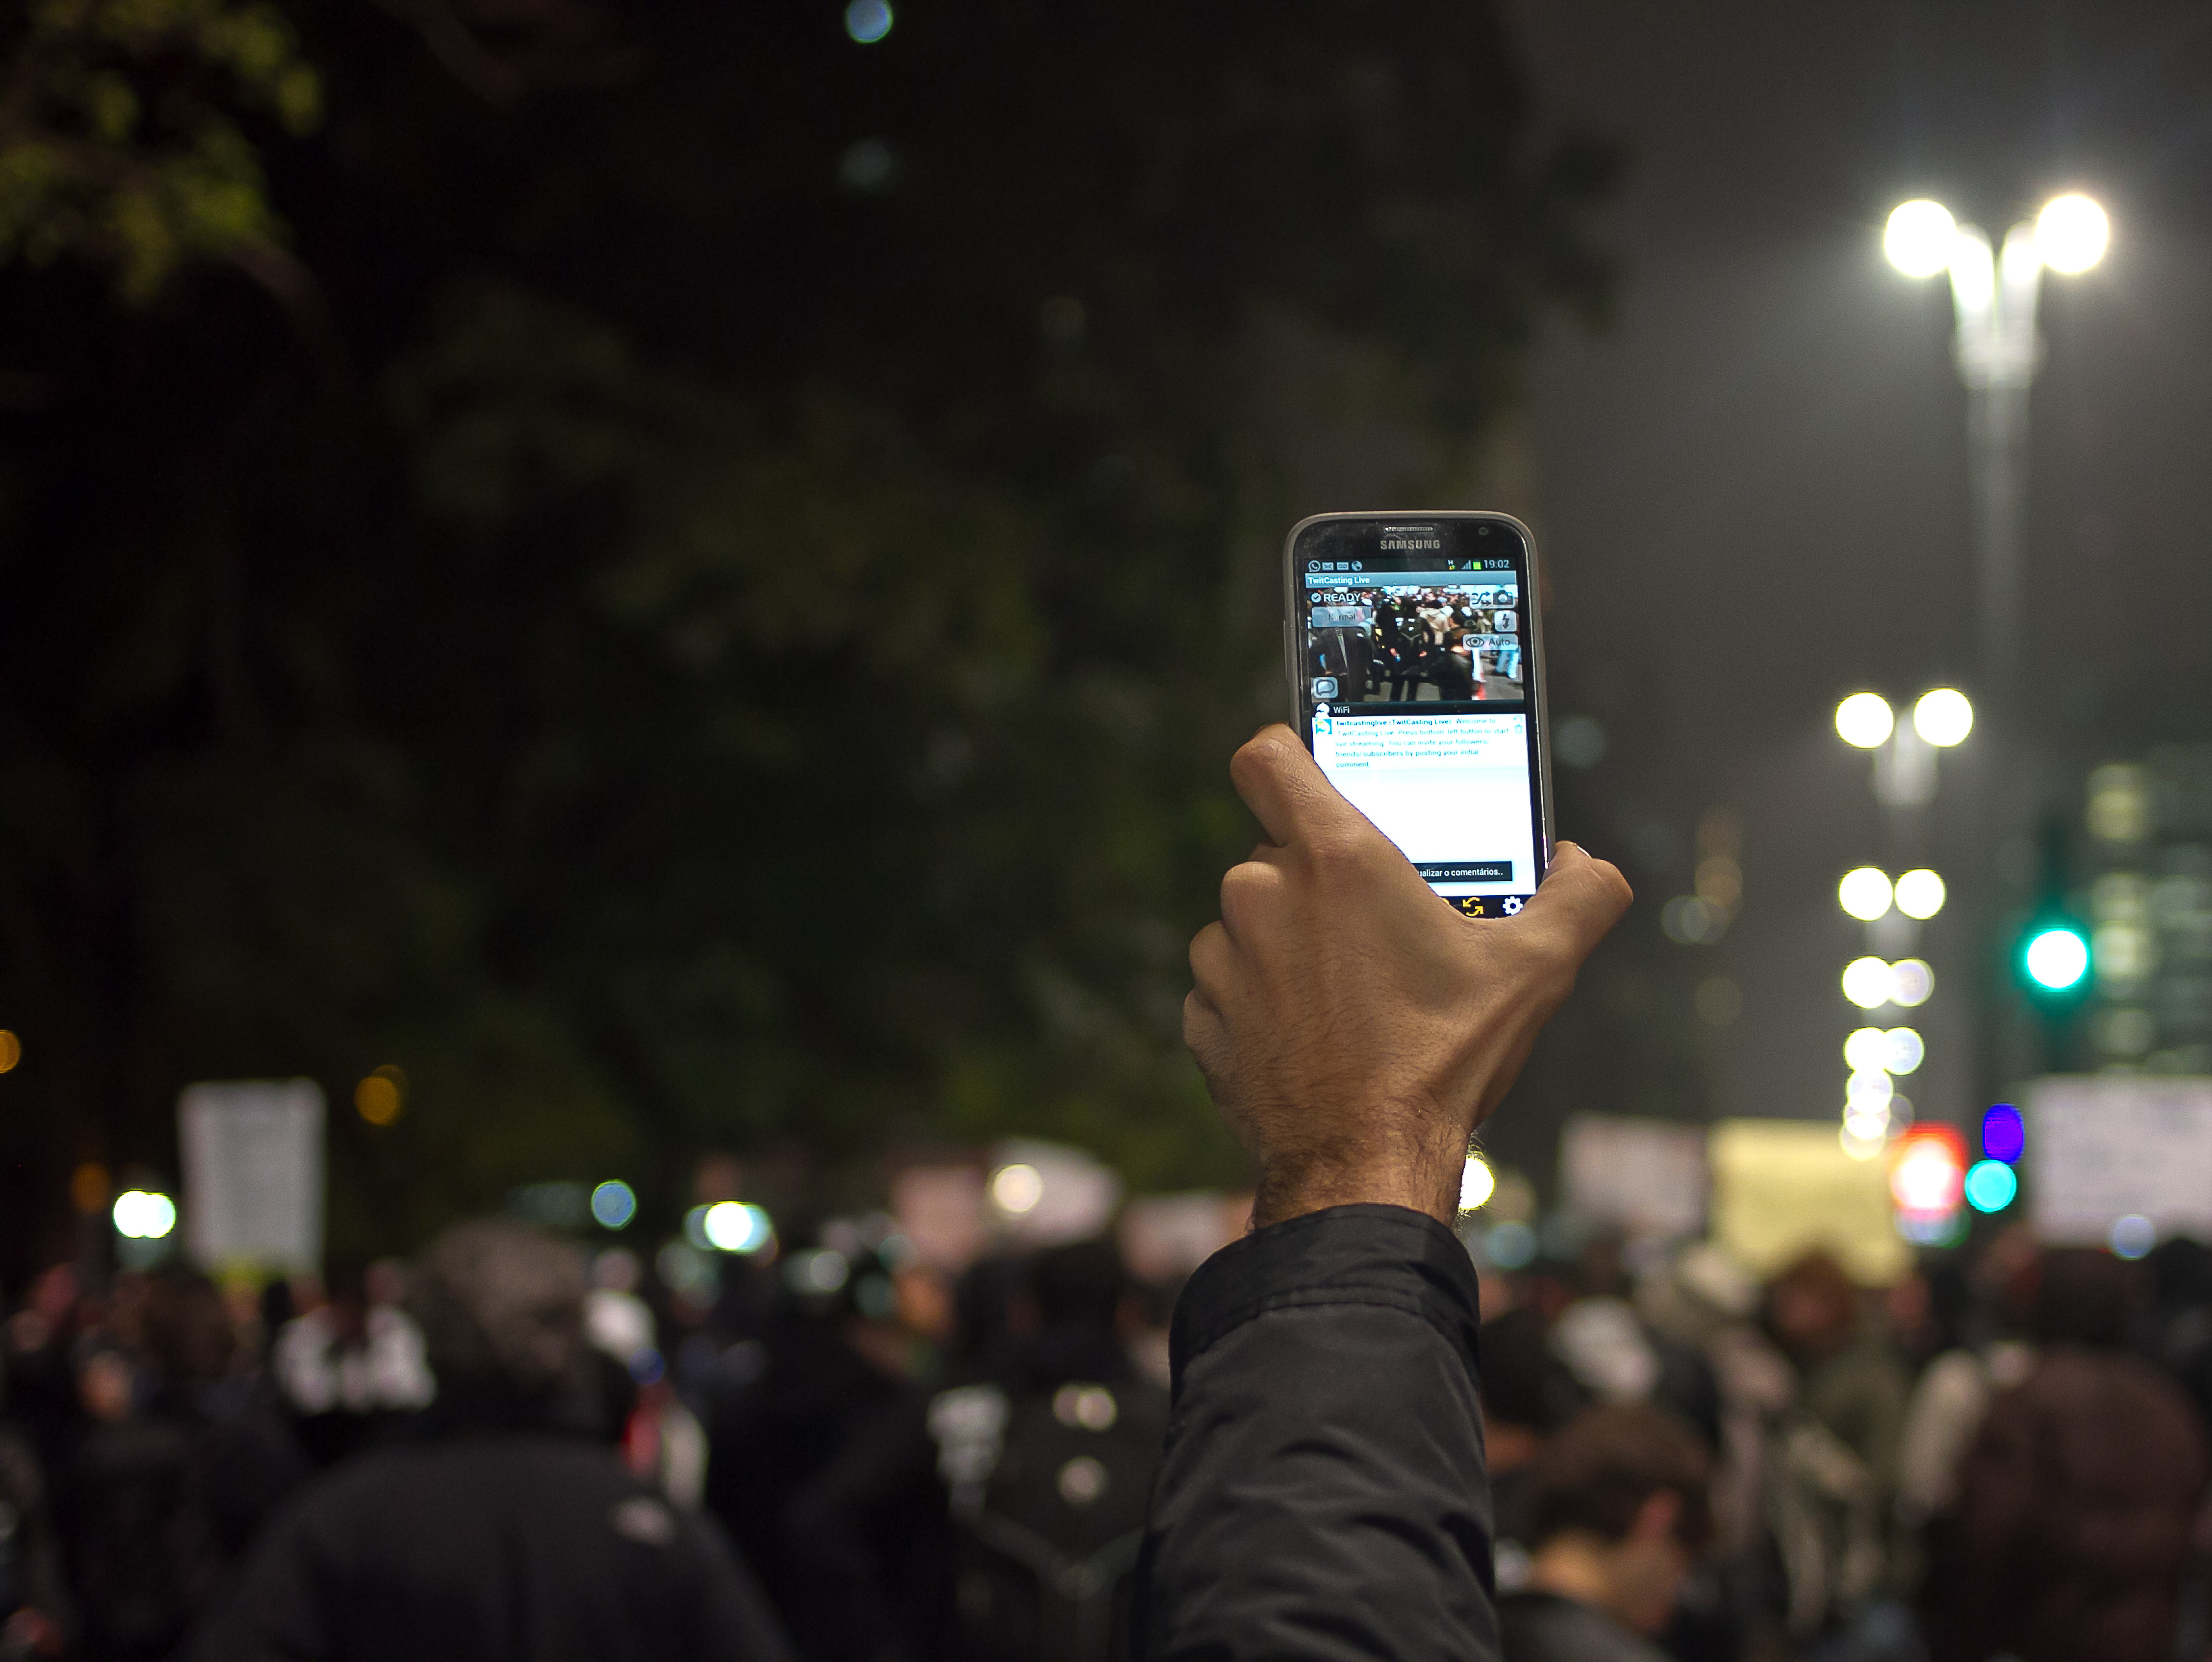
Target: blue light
x,y
1510,1246
614,1203
2003,1137
868,21
1991,1186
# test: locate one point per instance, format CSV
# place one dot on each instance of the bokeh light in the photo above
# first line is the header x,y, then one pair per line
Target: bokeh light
x,y
1866,1047
2134,1235
1991,1186
1918,237
2056,958
1920,894
1510,1246
868,21
141,1216
736,1226
11,1050
1929,1175
1902,1050
1868,983
1911,982
1868,1091
1943,717
2003,1136
2071,234
1864,892
378,1099
1017,1189
1863,1140
1476,1184
1864,720
614,1203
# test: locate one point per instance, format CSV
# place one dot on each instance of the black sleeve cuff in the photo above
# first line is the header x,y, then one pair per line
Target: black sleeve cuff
x,y
1391,1255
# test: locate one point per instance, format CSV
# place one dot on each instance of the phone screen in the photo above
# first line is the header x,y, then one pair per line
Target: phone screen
x,y
1417,669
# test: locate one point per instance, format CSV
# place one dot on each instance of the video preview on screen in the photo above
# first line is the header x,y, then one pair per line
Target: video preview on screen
x,y
1418,715
1411,637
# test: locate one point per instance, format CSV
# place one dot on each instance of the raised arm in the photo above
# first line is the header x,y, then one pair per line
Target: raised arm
x,y
1322,1495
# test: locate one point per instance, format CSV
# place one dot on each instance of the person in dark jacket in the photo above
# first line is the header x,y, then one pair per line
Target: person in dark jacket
x,y
1617,1508
2075,1503
1322,1492
956,1524
512,1534
159,1503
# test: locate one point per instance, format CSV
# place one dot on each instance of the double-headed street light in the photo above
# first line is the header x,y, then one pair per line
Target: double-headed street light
x,y
1993,294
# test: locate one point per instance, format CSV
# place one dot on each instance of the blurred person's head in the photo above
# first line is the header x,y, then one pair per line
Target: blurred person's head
x,y
501,1310
1527,1393
1079,1285
1813,1307
106,1385
185,1330
1618,1508
2085,1297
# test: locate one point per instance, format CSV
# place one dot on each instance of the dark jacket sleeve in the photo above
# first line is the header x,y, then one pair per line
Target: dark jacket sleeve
x,y
1322,1493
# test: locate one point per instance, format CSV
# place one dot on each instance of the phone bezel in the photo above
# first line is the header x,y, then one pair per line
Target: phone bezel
x,y
1532,651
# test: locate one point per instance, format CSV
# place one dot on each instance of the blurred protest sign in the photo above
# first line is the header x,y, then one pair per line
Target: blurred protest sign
x,y
1165,1237
2108,1146
1642,1177
1783,1187
253,1174
940,1209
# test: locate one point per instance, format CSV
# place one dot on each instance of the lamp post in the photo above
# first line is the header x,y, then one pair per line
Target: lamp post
x,y
1996,350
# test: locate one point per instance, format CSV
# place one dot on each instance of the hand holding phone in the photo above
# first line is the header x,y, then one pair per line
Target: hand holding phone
x,y
1352,1032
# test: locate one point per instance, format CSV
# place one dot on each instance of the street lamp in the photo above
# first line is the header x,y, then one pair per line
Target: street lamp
x,y
1993,294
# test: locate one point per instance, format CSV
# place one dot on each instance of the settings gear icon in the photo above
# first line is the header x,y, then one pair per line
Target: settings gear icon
x,y
1512,904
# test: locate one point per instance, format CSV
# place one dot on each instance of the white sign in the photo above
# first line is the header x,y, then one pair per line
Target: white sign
x,y
1642,1177
2102,1146
253,1174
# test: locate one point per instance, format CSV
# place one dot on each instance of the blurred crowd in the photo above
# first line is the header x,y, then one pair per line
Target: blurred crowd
x,y
2001,1456
851,1454
832,1451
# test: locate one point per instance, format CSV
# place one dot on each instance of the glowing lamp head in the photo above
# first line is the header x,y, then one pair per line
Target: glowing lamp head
x,y
1866,1050
2057,959
1920,894
1864,892
1868,983
1864,720
1944,717
2071,234
1918,237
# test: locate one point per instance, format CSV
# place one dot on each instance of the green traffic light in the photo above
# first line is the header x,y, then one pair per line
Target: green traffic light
x,y
2056,959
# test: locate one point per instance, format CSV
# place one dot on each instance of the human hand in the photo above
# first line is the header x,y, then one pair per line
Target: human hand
x,y
1353,1027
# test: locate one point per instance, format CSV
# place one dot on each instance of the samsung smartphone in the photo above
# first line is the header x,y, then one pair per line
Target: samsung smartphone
x,y
1419,669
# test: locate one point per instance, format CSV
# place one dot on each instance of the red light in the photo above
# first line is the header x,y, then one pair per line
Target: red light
x,y
1928,1172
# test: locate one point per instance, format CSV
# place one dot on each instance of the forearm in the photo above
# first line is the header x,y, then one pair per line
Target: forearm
x,y
1322,1493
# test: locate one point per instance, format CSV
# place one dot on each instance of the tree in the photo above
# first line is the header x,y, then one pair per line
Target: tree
x,y
714,611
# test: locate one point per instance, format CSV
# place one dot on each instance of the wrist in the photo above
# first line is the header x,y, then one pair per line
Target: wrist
x,y
1289,1189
